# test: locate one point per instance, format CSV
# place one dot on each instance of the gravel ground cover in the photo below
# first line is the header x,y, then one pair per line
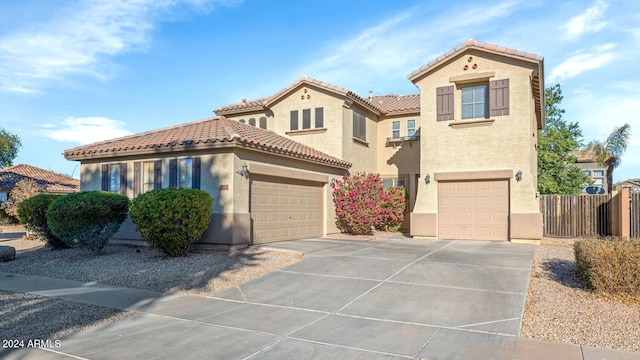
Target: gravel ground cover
x,y
560,309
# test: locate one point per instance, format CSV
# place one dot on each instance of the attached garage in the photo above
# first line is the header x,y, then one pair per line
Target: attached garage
x,y
473,209
285,209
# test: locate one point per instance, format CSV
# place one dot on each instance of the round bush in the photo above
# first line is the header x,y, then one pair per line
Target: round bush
x,y
33,214
172,219
87,219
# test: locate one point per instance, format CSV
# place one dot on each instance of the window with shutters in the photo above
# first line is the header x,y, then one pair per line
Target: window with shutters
x,y
474,102
148,176
114,178
359,126
185,173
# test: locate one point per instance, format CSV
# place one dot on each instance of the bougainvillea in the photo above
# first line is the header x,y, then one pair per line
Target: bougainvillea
x,y
392,206
362,204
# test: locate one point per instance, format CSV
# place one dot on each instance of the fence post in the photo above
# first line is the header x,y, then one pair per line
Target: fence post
x,y
623,212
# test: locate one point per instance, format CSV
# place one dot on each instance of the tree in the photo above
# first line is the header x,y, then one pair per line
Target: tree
x,y
9,145
557,173
23,189
608,153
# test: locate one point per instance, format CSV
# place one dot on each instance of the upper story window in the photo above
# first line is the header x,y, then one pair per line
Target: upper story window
x,y
252,122
478,101
114,178
411,128
359,126
263,123
395,129
242,121
474,102
307,120
185,173
598,173
148,176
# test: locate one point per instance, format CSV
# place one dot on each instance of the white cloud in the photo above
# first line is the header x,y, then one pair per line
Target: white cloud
x,y
581,61
85,130
587,22
80,38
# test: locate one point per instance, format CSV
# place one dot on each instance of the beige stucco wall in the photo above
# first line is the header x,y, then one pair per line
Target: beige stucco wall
x,y
506,143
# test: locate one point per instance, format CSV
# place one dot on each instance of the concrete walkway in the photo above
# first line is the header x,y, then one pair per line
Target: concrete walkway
x,y
387,298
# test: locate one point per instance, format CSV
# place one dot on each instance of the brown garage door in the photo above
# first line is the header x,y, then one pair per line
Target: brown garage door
x,y
475,210
285,209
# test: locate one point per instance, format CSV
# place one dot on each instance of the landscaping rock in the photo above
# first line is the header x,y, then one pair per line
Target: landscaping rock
x,y
7,253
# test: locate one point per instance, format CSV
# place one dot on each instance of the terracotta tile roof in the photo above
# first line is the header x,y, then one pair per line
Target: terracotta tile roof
x,y
266,102
397,104
51,181
583,156
202,135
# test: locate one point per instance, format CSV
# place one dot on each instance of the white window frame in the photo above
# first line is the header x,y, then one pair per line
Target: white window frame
x,y
476,105
395,129
148,176
411,127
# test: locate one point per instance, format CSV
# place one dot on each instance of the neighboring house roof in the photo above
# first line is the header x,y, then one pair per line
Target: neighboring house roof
x,y
583,156
537,80
266,102
51,181
201,135
392,104
635,181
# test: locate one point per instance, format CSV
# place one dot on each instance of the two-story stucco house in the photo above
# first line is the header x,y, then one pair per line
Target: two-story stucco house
x,y
464,147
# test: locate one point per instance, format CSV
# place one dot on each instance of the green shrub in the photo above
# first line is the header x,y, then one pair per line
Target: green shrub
x,y
33,214
609,265
172,219
87,219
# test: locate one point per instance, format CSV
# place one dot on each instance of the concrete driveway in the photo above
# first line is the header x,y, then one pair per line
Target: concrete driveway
x,y
387,298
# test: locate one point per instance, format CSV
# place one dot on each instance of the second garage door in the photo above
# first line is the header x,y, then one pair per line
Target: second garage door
x,y
285,209
474,210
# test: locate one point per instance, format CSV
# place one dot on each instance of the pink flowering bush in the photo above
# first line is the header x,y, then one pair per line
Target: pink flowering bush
x,y
392,205
362,204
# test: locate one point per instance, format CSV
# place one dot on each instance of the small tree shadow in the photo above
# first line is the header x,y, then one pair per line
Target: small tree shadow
x,y
563,271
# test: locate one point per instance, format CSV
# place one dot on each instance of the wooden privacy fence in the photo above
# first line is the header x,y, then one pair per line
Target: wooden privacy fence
x,y
576,215
634,215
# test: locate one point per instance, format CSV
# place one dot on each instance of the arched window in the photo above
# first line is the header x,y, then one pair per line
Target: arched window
x,y
242,121
263,123
252,122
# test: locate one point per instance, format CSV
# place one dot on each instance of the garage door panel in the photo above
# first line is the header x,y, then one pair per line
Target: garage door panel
x,y
292,209
473,209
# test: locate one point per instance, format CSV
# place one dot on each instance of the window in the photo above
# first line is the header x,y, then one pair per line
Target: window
x,y
598,181
185,173
294,120
148,176
411,128
306,119
474,102
359,126
393,182
3,197
114,178
319,118
587,172
598,173
395,129
252,122
263,123
242,121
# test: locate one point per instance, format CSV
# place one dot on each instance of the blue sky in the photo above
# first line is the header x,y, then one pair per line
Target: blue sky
x,y
76,72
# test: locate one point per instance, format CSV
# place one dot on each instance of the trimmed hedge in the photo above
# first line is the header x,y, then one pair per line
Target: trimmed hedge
x,y
172,219
87,219
609,265
33,214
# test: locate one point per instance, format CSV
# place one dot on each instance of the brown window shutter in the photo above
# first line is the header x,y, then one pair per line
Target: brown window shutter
x,y
137,180
499,97
195,164
157,170
105,177
173,173
444,103
123,178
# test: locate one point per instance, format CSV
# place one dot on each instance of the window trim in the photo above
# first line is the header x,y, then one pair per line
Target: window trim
x,y
395,129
